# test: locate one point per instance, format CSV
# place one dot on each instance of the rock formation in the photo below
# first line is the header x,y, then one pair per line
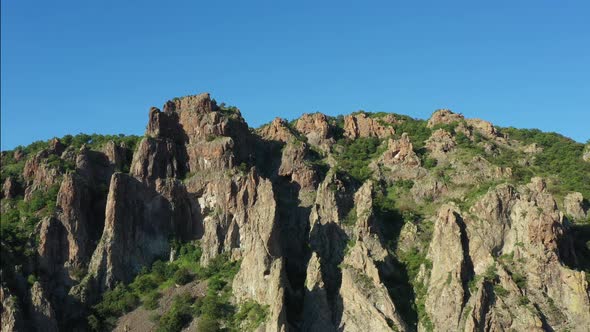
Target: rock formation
x,y
360,125
334,226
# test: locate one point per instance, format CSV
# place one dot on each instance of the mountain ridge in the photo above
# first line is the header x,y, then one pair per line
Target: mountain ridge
x,y
322,223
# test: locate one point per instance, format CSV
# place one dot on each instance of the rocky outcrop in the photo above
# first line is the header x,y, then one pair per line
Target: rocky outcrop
x,y
362,292
575,206
440,143
451,266
278,130
81,212
295,166
444,116
10,188
118,155
138,222
43,316
38,174
53,246
317,129
94,166
261,275
322,249
364,295
317,309
399,161
360,125
293,163
11,318
522,234
159,158
586,153
533,148
478,170
485,128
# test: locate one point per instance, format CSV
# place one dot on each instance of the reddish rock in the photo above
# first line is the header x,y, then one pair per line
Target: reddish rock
x,y
444,116
10,188
317,129
278,130
360,125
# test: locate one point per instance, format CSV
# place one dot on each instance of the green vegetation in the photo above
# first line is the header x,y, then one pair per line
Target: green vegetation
x,y
213,310
416,130
350,218
355,156
560,157
250,316
500,291
17,223
145,288
491,273
178,316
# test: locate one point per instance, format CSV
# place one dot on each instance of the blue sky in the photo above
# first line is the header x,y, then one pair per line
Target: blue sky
x,y
97,66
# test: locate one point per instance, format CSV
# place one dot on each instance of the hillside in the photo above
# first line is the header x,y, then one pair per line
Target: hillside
x,y
363,222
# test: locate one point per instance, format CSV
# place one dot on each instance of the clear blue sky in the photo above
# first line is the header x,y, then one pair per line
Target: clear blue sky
x,y
97,66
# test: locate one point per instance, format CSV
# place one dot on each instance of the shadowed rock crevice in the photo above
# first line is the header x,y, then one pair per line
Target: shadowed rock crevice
x,y
467,272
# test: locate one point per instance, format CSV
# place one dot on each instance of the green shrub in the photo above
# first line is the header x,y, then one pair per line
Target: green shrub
x,y
350,218
178,316
182,276
250,316
500,291
491,273
144,283
115,303
355,156
151,300
429,163
208,324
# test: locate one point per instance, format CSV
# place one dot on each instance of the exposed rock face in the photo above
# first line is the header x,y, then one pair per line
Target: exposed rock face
x,y
293,162
450,267
117,155
364,295
11,316
325,250
18,155
261,276
156,158
525,226
440,143
360,125
585,155
574,206
533,148
10,188
317,309
485,128
444,116
278,130
362,291
479,170
399,161
82,218
43,317
93,166
39,175
138,221
317,129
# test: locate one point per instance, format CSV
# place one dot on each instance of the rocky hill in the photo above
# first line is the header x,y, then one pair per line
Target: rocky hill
x,y
364,222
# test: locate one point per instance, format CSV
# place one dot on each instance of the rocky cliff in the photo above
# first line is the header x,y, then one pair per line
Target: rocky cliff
x,y
367,222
